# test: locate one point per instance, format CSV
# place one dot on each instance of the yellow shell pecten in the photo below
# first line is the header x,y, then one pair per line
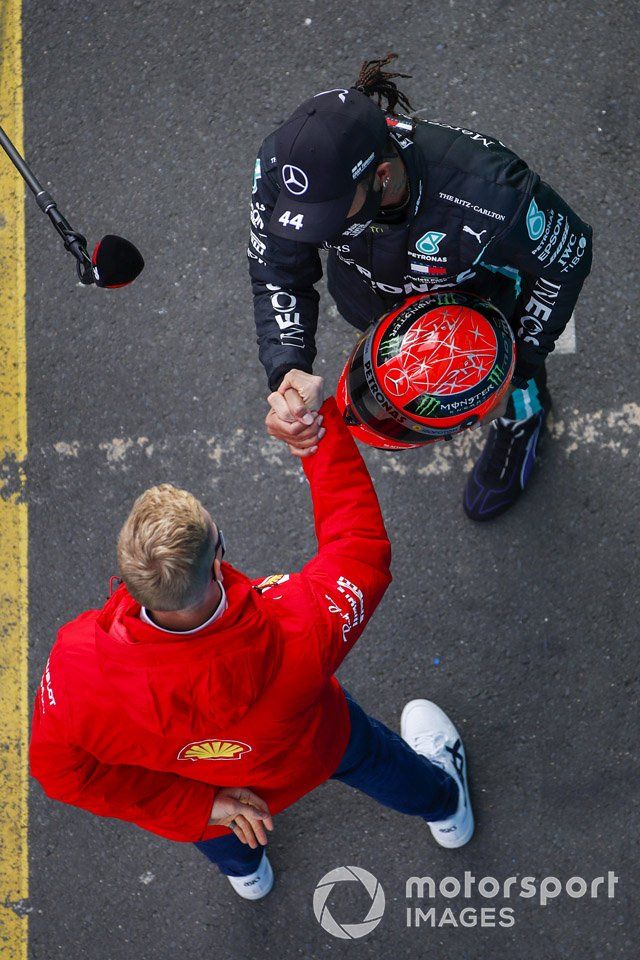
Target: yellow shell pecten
x,y
215,749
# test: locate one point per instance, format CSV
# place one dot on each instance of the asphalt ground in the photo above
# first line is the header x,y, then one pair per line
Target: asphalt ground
x,y
144,119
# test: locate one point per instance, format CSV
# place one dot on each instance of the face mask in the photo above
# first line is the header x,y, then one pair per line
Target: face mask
x,y
366,214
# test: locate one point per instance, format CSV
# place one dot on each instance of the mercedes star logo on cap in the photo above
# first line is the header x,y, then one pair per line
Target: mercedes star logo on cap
x,y
295,180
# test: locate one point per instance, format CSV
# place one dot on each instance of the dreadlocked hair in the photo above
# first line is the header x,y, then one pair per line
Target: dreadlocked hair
x,y
376,82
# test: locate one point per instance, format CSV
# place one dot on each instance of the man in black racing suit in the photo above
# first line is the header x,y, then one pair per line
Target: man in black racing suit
x,y
405,206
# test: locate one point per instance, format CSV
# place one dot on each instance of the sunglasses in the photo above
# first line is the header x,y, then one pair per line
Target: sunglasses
x,y
220,545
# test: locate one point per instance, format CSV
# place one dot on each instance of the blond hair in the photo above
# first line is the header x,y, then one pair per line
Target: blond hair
x,y
165,549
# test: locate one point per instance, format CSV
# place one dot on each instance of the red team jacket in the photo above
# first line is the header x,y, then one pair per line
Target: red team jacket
x,y
133,723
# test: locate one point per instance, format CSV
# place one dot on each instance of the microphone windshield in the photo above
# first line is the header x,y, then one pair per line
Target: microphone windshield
x,y
116,262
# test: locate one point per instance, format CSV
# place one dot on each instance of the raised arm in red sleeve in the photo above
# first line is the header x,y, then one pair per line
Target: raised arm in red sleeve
x,y
350,573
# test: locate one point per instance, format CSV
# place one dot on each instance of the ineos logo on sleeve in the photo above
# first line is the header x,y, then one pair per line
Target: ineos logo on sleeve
x,y
295,180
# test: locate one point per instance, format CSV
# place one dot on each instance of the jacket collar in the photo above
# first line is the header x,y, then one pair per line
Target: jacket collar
x,y
120,633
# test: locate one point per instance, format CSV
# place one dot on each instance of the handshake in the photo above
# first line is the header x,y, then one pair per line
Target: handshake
x,y
293,415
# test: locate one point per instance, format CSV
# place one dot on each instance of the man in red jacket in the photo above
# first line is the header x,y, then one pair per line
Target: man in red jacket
x,y
197,703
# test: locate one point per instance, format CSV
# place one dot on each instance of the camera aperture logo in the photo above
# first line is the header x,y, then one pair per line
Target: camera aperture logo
x,y
348,931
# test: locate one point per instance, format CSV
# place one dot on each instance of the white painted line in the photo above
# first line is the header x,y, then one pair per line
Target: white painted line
x,y
616,431
566,342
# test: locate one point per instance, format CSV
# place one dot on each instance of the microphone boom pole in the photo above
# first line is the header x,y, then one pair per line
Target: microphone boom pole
x,y
74,242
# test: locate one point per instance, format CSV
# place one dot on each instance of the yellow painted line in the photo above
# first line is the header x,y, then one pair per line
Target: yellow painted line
x,y
14,693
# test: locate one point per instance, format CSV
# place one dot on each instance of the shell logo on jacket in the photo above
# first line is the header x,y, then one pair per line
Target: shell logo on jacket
x,y
271,581
214,750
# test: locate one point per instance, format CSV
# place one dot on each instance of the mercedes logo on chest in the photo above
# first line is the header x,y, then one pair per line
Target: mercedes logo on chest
x,y
295,180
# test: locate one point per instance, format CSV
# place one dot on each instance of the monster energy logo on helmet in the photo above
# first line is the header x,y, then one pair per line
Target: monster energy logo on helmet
x,y
391,347
496,376
426,405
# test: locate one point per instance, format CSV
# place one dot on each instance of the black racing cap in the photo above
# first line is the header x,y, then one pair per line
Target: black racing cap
x,y
329,143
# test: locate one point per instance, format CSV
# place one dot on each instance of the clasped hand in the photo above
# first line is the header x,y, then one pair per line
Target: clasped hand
x,y
293,416
244,812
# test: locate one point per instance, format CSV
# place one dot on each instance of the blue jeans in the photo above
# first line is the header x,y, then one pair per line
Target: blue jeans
x,y
377,762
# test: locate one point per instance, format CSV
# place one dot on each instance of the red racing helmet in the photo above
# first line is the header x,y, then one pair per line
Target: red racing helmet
x,y
430,368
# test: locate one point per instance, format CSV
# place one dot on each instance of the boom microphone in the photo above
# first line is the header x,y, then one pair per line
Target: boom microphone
x,y
115,261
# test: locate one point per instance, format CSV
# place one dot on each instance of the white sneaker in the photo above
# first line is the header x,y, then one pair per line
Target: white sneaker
x,y
256,885
431,733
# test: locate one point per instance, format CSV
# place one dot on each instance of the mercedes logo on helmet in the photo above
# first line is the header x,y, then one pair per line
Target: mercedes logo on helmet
x,y
397,382
295,180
